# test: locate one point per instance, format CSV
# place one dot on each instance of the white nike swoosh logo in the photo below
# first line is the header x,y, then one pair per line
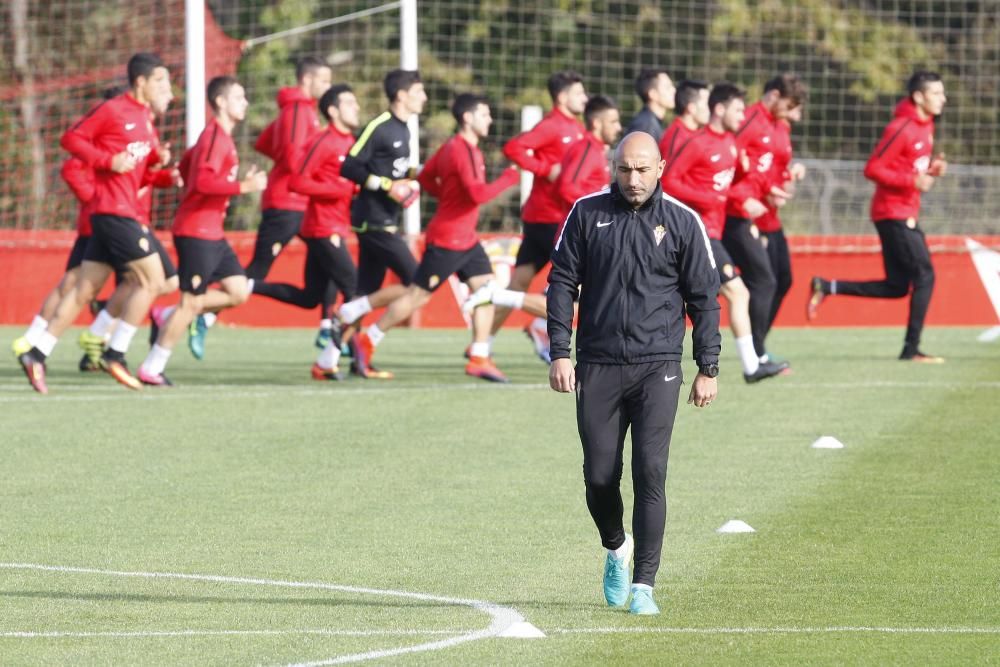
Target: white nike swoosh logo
x,y
129,126
716,158
668,378
397,144
605,224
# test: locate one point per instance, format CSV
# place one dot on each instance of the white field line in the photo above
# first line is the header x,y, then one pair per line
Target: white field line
x,y
501,618
55,634
846,629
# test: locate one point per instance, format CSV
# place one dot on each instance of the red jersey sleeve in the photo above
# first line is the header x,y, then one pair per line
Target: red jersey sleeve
x,y
79,139
480,191
80,179
430,175
879,167
517,149
309,178
701,198
264,144
569,184
209,178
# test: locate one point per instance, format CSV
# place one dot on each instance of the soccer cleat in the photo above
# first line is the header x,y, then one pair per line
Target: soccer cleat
x,y
196,337
919,357
323,336
113,363
320,373
151,380
468,352
34,368
20,346
481,297
616,579
92,346
767,369
816,296
371,373
362,350
539,336
483,367
642,603
88,366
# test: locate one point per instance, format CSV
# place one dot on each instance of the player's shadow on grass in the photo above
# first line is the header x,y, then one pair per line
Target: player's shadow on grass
x,y
213,599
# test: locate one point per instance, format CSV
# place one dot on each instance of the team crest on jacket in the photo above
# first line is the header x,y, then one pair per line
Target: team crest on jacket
x,y
658,233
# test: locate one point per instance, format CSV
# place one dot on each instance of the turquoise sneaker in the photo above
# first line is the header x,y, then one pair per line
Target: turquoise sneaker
x,y
642,602
616,576
324,336
196,337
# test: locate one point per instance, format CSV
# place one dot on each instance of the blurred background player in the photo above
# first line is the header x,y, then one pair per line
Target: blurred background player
x,y
327,222
118,141
540,150
210,170
456,176
692,115
380,162
656,90
281,208
700,175
902,167
758,180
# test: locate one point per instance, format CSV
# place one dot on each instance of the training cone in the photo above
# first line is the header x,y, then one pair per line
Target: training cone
x,y
735,526
522,630
827,442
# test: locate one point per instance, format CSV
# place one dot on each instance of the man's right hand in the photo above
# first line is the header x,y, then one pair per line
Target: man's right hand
x,y
562,376
254,181
122,163
923,182
754,208
554,174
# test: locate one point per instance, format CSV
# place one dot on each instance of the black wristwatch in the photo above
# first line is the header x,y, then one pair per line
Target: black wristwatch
x,y
709,370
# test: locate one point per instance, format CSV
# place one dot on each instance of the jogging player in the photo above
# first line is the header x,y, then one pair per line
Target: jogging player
x,y
656,90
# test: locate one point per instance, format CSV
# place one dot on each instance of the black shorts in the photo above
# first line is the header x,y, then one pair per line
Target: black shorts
x,y
117,240
742,240
205,262
723,262
537,243
169,270
328,260
77,253
378,251
277,227
439,263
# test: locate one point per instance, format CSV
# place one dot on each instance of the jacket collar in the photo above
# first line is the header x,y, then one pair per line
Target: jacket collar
x,y
621,202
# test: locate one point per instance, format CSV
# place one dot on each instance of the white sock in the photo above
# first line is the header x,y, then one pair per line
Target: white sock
x,y
748,357
46,343
764,359
326,323
34,332
122,337
329,357
833,287
479,350
351,311
621,551
508,298
102,323
375,335
156,360
642,587
250,284
210,319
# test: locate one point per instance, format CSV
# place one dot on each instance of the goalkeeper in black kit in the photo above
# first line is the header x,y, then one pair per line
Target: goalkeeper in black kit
x,y
381,164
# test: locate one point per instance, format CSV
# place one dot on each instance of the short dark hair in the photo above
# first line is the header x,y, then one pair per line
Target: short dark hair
x,y
219,85
399,79
596,105
646,81
789,87
687,93
331,98
920,80
465,103
308,65
142,64
560,81
724,93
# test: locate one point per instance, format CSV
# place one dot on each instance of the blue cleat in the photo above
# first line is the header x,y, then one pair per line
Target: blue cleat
x,y
324,336
616,576
196,337
642,602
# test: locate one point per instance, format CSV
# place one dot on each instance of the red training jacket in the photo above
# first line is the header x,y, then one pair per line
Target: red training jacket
x,y
781,147
700,176
538,150
674,138
318,176
456,176
281,141
210,170
113,126
82,182
585,169
903,152
755,138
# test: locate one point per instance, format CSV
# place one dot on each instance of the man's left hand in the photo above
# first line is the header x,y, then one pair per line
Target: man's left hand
x,y
703,391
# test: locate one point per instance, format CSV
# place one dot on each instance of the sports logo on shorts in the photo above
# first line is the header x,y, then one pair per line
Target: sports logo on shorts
x,y
275,249
727,269
195,281
658,233
433,281
754,232
911,223
144,244
335,240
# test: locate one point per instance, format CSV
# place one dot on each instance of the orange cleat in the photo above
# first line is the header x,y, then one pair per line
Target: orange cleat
x,y
483,367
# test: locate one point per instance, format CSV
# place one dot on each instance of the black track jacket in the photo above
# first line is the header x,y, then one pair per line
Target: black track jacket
x,y
638,270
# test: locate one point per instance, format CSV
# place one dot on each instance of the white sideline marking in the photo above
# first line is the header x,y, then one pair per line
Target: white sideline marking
x,y
501,618
226,633
777,631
